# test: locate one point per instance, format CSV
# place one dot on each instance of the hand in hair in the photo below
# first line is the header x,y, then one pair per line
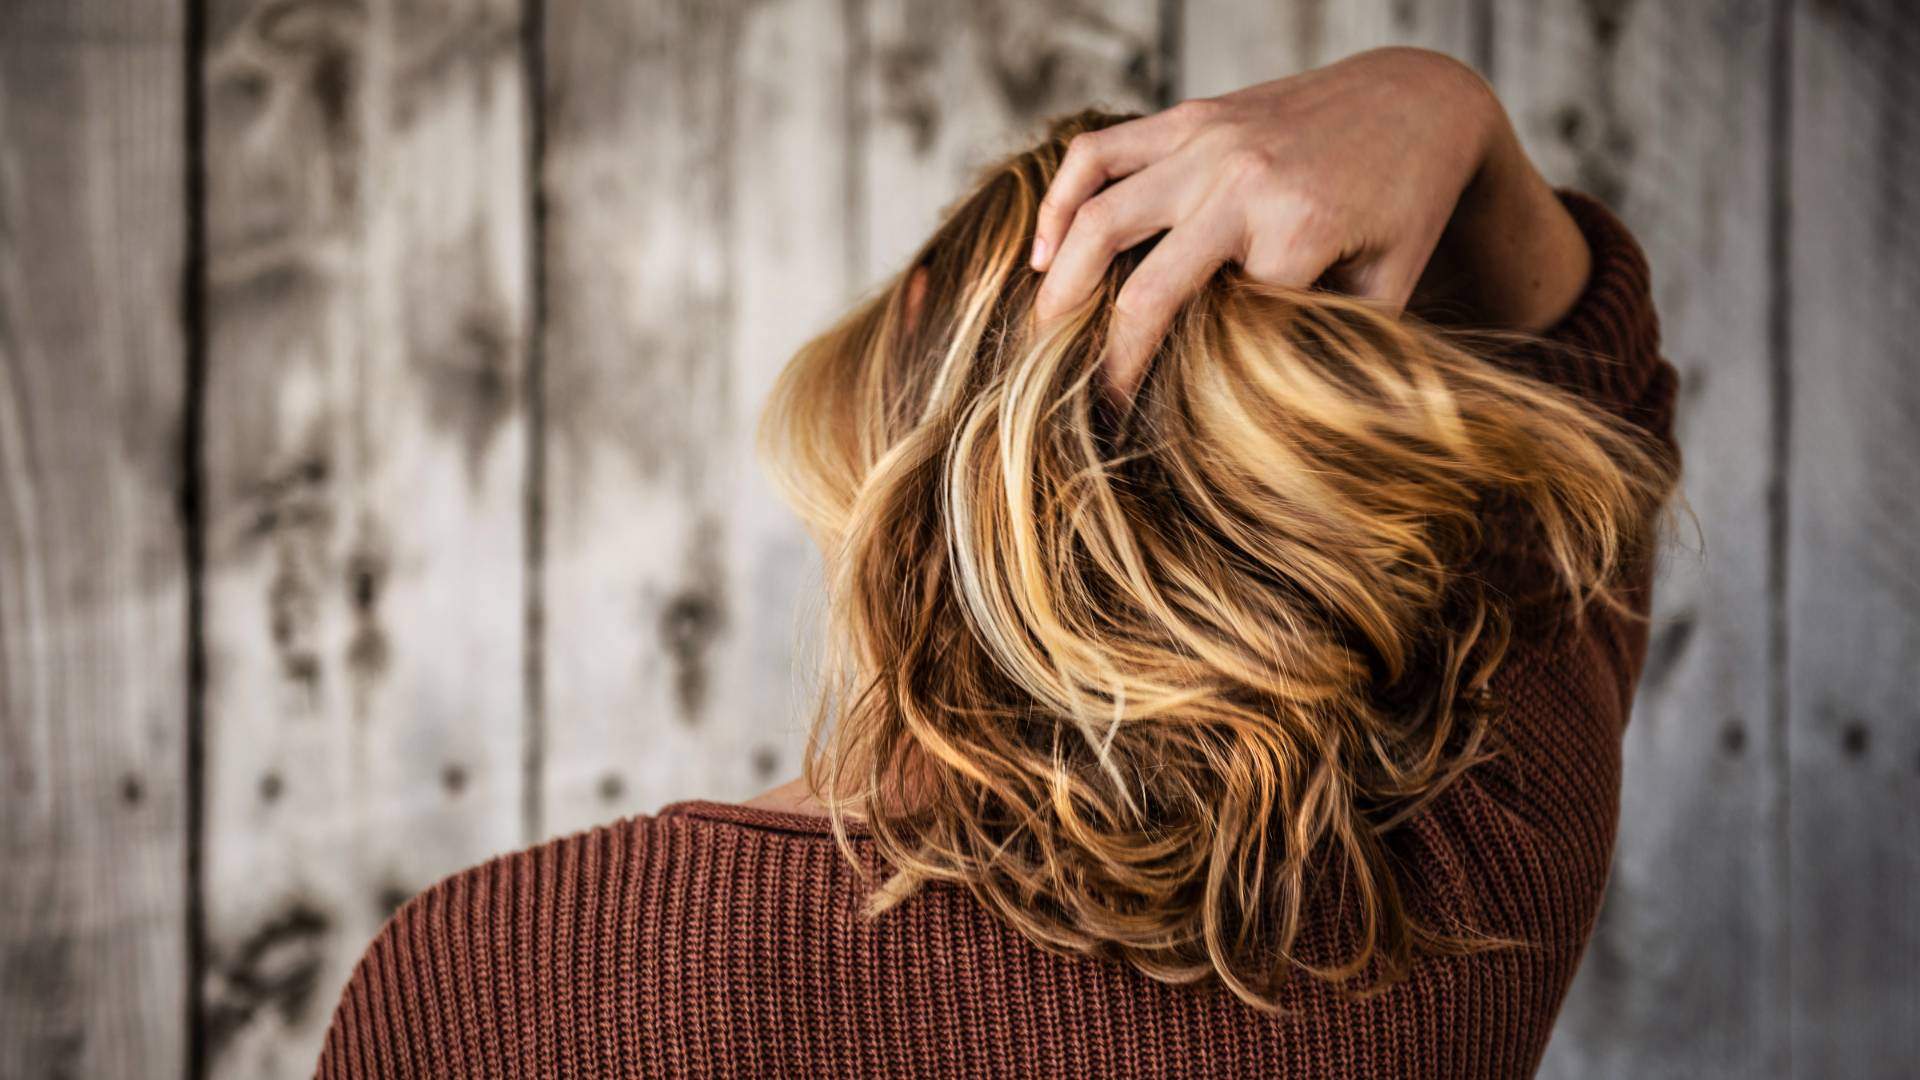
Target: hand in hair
x,y
1393,175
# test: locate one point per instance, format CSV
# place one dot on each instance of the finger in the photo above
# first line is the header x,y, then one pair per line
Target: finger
x,y
1096,157
1109,223
1171,274
1291,257
1389,279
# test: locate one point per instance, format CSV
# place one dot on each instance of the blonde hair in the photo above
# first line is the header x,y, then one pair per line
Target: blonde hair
x,y
1142,683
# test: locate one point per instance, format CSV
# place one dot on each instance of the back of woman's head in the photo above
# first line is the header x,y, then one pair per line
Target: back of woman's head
x,y
1147,683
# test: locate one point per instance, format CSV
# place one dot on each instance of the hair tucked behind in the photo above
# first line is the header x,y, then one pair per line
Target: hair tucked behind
x,y
1145,684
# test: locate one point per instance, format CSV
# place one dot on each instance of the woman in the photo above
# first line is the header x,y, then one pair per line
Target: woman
x,y
1240,525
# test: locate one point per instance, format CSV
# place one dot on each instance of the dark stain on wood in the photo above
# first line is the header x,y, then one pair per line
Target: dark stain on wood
x,y
692,620
766,760
907,95
368,650
1036,68
391,898
320,43
453,777
1733,738
271,787
471,380
277,967
292,613
132,791
1854,739
38,971
292,512
1025,83
1668,647
1604,145
458,53
612,787
331,81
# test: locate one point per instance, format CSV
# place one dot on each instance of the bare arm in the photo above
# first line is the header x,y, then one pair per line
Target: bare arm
x,y
1393,174
1511,256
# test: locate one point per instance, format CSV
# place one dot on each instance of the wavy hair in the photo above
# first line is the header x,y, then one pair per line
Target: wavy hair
x,y
1141,681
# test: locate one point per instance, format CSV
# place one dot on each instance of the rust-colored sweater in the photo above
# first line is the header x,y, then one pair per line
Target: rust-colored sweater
x,y
710,939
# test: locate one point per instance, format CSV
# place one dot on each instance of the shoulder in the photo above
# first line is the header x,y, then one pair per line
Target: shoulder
x,y
467,976
552,957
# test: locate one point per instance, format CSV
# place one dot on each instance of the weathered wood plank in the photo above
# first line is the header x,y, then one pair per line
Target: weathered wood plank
x,y
1853,539
365,457
693,178
93,585
1663,111
1228,44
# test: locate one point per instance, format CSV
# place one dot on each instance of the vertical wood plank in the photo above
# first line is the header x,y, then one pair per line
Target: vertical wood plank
x,y
1662,110
695,232
93,583
1228,44
1853,539
365,472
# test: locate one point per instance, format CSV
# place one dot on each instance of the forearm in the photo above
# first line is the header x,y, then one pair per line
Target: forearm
x,y
1511,256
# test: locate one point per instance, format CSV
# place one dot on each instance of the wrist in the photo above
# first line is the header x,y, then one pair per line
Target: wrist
x,y
1511,255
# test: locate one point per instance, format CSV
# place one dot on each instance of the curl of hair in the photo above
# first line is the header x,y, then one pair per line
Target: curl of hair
x,y
1139,683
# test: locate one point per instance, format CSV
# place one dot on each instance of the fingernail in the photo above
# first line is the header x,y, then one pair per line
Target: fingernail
x,y
1039,252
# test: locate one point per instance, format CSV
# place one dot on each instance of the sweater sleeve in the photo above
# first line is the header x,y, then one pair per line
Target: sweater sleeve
x,y
1566,689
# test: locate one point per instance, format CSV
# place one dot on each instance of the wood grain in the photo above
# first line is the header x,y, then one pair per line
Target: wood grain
x,y
1663,111
93,583
1228,44
1853,540
947,88
365,449
668,223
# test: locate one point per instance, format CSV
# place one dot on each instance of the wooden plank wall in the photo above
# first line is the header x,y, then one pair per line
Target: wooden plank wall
x,y
365,461
377,384
1852,534
93,559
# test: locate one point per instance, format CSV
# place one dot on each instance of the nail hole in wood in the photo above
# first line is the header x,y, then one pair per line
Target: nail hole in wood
x,y
1568,122
271,787
1733,738
765,760
390,898
131,790
453,778
1853,739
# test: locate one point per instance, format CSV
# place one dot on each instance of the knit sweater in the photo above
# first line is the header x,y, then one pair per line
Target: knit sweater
x,y
713,939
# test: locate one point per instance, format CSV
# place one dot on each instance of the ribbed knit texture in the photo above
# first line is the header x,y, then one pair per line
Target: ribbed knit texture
x,y
711,939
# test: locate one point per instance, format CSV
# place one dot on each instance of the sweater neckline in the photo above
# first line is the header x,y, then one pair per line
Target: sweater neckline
x,y
759,818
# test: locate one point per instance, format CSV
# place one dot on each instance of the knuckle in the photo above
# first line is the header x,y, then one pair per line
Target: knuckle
x,y
1249,167
1142,299
1195,112
1097,214
1084,147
